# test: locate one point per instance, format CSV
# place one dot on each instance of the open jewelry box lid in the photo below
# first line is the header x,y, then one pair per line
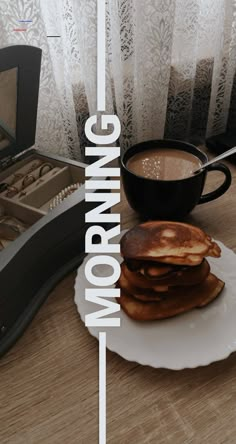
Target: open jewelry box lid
x,y
19,89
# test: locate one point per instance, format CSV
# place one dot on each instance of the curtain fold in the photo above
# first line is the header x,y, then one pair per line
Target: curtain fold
x,y
170,67
179,64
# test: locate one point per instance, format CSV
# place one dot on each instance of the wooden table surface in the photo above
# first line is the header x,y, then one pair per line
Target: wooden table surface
x,y
49,380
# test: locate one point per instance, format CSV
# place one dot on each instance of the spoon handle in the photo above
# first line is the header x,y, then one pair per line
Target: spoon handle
x,y
220,157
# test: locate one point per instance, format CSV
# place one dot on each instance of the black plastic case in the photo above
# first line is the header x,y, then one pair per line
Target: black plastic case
x,y
53,245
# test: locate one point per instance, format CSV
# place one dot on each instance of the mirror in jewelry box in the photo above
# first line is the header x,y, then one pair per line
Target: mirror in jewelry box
x,y
42,231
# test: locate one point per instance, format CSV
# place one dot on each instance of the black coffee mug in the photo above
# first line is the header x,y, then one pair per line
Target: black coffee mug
x,y
169,199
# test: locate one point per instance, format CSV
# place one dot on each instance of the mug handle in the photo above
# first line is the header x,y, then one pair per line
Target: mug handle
x,y
222,188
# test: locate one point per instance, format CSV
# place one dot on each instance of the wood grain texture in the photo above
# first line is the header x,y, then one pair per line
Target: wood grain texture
x,y
49,380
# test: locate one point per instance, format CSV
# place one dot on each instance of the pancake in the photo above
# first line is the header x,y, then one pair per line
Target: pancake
x,y
149,268
138,280
155,272
168,242
185,276
180,301
143,294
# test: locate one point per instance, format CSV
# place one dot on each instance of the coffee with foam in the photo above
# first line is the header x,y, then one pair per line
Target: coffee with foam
x,y
164,164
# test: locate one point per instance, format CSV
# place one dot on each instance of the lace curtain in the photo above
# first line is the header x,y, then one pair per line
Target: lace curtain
x,y
170,67
62,101
173,64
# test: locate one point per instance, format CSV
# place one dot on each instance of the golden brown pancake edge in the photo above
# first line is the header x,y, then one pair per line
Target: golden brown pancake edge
x,y
186,276
168,242
193,297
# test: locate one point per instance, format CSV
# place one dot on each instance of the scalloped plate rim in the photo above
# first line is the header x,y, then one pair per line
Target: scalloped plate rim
x,y
217,356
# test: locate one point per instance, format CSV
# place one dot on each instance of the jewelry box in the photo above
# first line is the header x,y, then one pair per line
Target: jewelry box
x,y
42,200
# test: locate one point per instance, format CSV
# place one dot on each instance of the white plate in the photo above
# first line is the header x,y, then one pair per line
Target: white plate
x,y
193,339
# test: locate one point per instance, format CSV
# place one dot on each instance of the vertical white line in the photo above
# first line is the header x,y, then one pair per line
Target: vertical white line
x,y
101,55
101,106
102,388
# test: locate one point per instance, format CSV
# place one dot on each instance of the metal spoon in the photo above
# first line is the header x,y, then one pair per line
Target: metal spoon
x,y
216,159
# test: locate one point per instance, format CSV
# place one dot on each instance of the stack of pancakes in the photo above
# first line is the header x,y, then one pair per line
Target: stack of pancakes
x,y
165,272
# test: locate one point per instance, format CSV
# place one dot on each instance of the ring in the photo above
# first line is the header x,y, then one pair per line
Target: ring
x,y
34,166
17,177
12,191
28,180
45,165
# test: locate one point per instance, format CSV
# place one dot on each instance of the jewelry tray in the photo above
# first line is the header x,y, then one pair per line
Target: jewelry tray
x,y
52,241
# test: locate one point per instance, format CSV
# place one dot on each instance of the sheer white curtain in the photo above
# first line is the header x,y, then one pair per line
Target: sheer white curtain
x,y
173,63
62,102
170,66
